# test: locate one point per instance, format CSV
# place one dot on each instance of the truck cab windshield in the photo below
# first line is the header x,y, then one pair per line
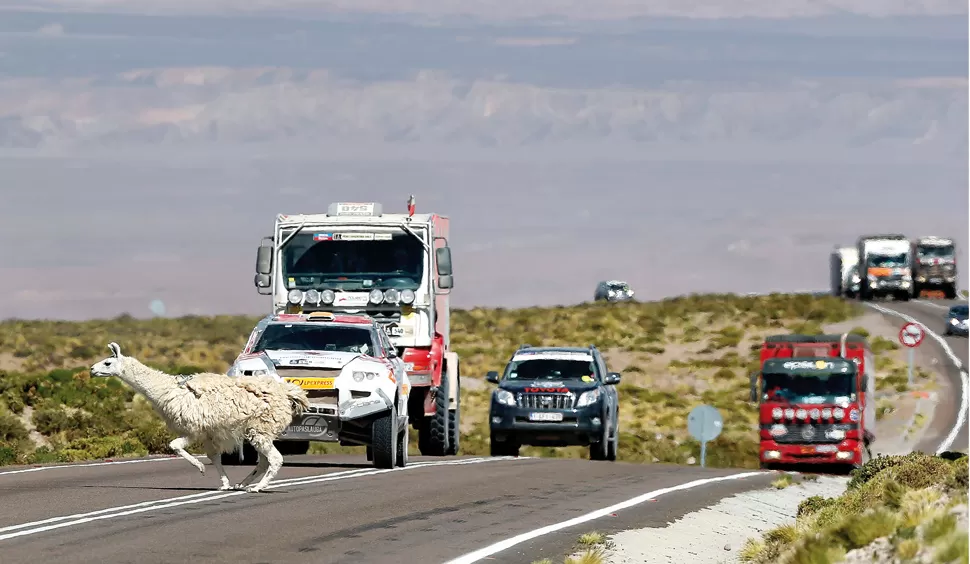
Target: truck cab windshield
x,y
551,369
793,388
936,251
308,337
325,260
888,261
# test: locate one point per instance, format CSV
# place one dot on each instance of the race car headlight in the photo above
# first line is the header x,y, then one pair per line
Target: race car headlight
x,y
504,397
589,398
294,297
392,296
327,297
776,413
814,413
801,414
360,376
313,296
826,413
789,413
407,297
376,296
838,413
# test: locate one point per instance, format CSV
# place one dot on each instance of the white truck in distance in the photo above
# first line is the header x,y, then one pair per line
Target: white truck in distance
x,y
885,264
845,279
393,267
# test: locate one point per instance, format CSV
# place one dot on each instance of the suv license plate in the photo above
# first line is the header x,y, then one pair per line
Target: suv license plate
x,y
545,417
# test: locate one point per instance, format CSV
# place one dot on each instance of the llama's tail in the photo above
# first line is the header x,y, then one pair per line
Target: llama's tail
x,y
297,396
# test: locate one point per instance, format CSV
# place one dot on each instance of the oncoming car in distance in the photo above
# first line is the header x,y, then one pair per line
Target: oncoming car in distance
x,y
357,385
555,396
956,320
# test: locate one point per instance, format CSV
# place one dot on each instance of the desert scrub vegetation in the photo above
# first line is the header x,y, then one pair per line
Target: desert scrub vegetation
x,y
910,508
674,354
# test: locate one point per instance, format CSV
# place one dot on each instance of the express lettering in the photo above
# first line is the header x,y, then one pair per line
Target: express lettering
x,y
547,390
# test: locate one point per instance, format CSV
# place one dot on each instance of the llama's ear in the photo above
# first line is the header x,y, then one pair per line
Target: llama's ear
x,y
115,349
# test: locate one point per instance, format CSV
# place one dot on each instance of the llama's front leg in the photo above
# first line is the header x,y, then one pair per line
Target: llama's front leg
x,y
265,447
178,445
216,457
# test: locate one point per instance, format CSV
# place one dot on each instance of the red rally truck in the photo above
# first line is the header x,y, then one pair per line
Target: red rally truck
x,y
814,395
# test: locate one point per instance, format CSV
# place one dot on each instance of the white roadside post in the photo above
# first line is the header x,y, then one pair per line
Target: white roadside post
x,y
911,335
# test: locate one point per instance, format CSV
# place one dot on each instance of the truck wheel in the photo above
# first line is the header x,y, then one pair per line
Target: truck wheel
x,y
507,448
401,460
384,439
370,454
903,296
232,458
454,424
435,427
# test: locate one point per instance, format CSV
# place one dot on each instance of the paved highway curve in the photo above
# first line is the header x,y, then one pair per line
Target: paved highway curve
x,y
948,429
335,509
338,509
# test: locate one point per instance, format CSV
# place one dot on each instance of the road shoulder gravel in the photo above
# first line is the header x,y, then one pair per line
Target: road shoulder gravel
x,y
716,534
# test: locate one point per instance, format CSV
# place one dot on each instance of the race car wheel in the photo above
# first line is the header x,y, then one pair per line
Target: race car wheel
x,y
613,446
435,426
401,460
384,438
232,458
507,448
599,449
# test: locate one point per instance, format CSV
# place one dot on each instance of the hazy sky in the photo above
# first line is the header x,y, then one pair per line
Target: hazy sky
x,y
143,156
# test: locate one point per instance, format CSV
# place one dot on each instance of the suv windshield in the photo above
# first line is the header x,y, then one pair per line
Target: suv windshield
x,y
808,389
551,369
959,311
351,261
307,337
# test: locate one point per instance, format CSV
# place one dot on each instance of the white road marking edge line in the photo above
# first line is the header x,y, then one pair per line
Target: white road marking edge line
x,y
110,513
509,543
90,464
964,400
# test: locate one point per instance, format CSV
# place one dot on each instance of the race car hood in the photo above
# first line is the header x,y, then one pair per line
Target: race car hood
x,y
551,387
305,359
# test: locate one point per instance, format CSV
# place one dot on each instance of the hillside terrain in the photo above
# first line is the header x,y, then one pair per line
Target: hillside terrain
x,y
673,355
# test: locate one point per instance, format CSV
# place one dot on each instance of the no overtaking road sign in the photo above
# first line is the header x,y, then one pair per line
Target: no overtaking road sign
x,y
911,334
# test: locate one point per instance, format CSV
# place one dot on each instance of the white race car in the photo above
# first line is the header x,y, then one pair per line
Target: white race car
x,y
357,385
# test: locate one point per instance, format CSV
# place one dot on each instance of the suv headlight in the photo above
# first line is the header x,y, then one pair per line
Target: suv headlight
x,y
359,376
504,397
233,371
589,398
261,372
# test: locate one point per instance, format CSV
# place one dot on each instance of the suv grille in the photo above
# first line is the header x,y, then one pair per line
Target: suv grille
x,y
545,401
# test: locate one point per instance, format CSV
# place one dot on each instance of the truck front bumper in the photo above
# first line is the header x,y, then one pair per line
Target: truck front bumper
x,y
848,451
580,426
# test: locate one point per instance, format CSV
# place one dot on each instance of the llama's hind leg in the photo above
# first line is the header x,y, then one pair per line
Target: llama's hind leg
x,y
178,445
216,457
265,447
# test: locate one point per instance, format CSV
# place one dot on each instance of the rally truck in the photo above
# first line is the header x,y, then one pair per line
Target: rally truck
x,y
356,383
395,268
814,400
885,267
934,266
555,396
844,272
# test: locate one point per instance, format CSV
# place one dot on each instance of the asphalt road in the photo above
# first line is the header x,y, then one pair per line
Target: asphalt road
x,y
948,428
335,509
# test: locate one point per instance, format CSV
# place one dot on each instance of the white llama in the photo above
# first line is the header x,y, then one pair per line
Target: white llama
x,y
216,410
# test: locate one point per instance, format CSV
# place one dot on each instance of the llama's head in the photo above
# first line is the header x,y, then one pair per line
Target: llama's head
x,y
111,366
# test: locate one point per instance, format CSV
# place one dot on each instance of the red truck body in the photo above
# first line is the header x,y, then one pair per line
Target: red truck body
x,y
791,433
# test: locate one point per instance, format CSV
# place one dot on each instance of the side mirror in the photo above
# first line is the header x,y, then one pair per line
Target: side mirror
x,y
864,385
754,387
446,282
262,281
442,258
264,260
392,352
492,377
612,379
